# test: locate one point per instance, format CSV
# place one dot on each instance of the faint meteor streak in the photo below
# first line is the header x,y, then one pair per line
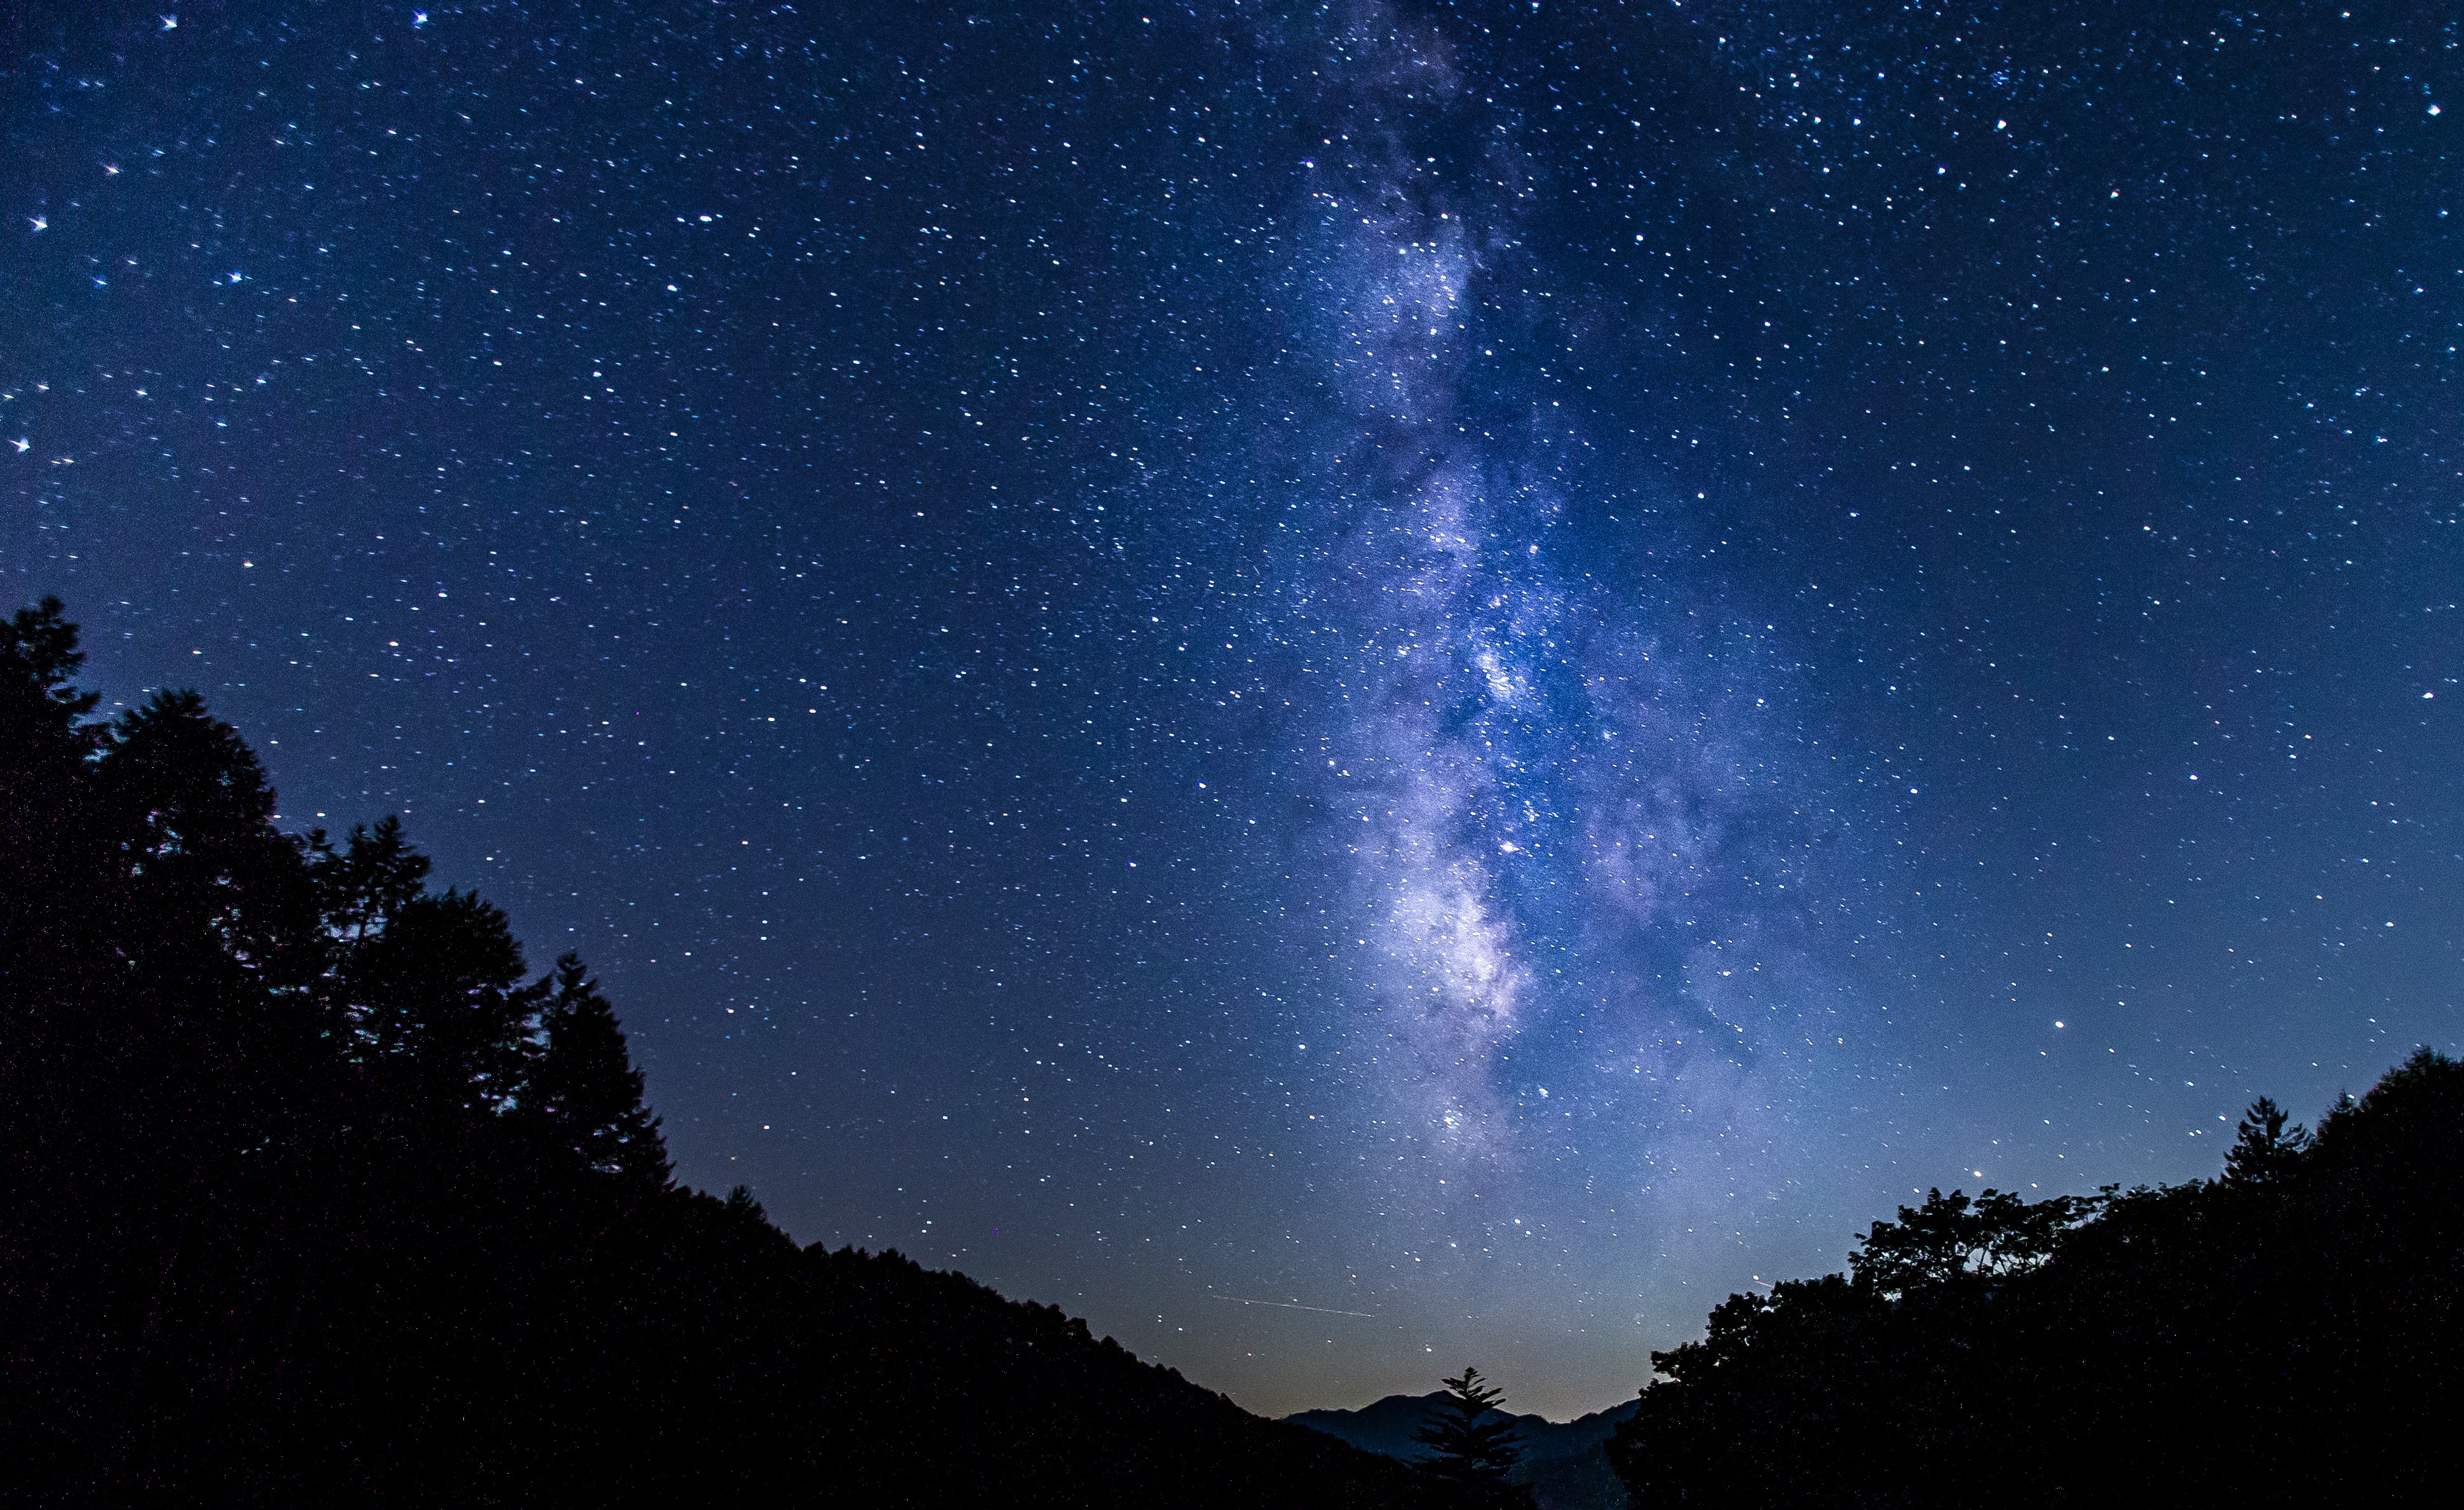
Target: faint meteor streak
x,y
1294,1305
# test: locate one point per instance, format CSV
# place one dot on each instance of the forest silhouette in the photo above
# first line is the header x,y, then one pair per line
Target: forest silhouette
x,y
2286,1333
315,1195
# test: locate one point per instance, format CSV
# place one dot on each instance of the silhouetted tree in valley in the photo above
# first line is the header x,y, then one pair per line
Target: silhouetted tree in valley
x,y
311,1194
2288,1333
1472,1445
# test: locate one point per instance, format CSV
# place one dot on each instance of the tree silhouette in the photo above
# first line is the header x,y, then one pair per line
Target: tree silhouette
x,y
1472,1444
187,814
39,708
1951,1236
44,816
364,887
2188,1345
439,1003
584,1087
2264,1148
313,1195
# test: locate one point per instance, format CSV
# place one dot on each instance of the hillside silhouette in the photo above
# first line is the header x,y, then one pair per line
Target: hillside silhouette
x,y
2286,1333
315,1195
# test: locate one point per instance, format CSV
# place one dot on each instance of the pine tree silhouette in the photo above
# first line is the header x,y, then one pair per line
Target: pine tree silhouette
x,y
364,887
39,708
43,811
1473,1445
2264,1148
584,1087
439,1003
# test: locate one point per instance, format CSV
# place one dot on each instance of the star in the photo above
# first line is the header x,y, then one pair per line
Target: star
x,y
1485,716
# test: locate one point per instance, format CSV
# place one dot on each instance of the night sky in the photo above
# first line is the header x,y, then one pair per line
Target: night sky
x,y
1488,669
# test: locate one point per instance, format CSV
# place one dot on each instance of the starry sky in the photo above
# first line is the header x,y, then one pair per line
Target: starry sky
x,y
1348,686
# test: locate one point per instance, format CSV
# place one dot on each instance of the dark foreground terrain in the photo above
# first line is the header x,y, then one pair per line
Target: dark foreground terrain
x,y
314,1194
2289,1334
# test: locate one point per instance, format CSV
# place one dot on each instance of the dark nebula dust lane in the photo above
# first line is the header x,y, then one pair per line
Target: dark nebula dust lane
x,y
1469,674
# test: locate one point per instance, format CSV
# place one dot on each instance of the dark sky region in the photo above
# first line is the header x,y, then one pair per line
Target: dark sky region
x,y
1492,669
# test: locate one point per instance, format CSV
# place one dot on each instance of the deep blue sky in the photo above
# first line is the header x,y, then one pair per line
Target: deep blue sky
x,y
1499,666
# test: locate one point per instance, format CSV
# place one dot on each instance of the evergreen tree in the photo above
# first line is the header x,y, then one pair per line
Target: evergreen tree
x,y
42,817
39,708
583,1087
438,1001
362,887
2264,1148
188,813
1472,1445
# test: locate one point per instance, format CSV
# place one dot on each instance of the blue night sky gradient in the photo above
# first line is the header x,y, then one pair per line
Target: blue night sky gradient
x,y
1497,665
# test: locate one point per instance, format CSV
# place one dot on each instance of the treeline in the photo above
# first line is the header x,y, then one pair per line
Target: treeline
x,y
314,1194
311,1192
2287,1333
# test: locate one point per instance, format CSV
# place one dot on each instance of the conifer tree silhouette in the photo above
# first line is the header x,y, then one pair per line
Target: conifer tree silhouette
x,y
39,707
585,1088
43,816
2264,1148
362,886
1472,1445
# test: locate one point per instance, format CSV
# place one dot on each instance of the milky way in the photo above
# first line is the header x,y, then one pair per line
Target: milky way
x,y
1518,798
1480,671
